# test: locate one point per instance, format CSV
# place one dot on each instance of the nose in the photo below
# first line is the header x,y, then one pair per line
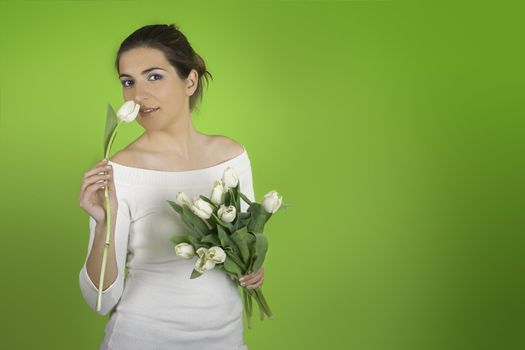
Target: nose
x,y
142,93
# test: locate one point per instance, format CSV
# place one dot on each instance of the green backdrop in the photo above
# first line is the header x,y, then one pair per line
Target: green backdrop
x,y
393,129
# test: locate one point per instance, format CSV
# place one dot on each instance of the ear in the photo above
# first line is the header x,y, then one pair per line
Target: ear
x,y
192,82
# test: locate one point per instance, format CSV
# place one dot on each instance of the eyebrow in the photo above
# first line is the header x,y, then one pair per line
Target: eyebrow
x,y
143,72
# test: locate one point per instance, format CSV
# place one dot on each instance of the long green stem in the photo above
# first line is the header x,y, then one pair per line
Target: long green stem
x,y
260,296
108,226
262,310
246,311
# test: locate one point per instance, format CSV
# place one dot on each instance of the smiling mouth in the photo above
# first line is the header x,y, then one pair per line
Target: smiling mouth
x,y
148,111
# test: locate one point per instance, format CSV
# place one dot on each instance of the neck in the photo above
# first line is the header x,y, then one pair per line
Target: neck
x,y
179,138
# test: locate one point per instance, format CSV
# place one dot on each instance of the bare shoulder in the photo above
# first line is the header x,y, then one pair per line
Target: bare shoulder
x,y
227,147
124,157
128,156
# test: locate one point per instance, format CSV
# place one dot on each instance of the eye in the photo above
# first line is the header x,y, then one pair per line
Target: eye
x,y
124,83
158,75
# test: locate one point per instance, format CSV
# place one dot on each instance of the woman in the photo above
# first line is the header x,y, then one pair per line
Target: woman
x,y
156,305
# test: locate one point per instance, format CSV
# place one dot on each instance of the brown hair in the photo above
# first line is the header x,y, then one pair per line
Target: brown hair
x,y
177,50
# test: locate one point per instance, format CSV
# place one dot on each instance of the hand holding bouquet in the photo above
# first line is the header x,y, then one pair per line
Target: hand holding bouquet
x,y
225,238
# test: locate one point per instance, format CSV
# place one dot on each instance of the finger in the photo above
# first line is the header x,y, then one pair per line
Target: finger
x,y
98,168
90,190
255,284
98,178
258,272
251,276
250,280
244,277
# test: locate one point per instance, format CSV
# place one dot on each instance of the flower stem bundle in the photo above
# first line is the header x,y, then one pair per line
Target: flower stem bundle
x,y
223,237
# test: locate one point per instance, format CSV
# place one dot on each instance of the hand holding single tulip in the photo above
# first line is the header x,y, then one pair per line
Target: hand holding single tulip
x,y
126,113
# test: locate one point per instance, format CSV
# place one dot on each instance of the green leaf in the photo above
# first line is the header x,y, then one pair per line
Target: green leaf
x,y
226,241
176,239
258,218
261,247
227,198
237,260
194,221
175,206
231,266
241,221
240,238
211,238
111,124
196,242
195,274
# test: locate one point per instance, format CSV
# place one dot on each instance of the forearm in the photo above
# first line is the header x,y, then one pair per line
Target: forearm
x,y
94,260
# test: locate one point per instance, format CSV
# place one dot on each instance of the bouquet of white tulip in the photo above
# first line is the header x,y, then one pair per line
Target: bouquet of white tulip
x,y
225,238
126,113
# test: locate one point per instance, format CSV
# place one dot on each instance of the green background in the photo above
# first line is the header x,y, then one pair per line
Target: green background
x,y
393,129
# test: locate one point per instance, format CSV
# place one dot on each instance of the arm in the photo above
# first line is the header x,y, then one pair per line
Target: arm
x,y
117,252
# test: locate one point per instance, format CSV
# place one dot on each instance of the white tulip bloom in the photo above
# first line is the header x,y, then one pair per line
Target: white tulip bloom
x,y
128,111
217,193
272,201
227,213
203,264
216,254
182,198
201,251
229,178
201,208
184,250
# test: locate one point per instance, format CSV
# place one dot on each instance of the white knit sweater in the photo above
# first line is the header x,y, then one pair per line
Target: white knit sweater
x,y
156,305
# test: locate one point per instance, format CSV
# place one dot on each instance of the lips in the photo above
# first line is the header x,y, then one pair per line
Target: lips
x,y
149,110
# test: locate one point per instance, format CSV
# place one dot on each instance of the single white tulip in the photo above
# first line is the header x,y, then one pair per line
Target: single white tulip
x,y
203,264
216,254
182,198
229,178
128,111
272,201
226,213
184,250
217,193
201,208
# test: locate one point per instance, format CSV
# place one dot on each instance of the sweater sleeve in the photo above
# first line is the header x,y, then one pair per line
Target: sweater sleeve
x,y
246,186
112,294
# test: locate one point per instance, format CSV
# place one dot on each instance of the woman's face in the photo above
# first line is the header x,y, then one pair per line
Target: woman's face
x,y
151,81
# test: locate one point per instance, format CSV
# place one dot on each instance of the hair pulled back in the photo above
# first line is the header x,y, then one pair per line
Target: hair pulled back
x,y
177,50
